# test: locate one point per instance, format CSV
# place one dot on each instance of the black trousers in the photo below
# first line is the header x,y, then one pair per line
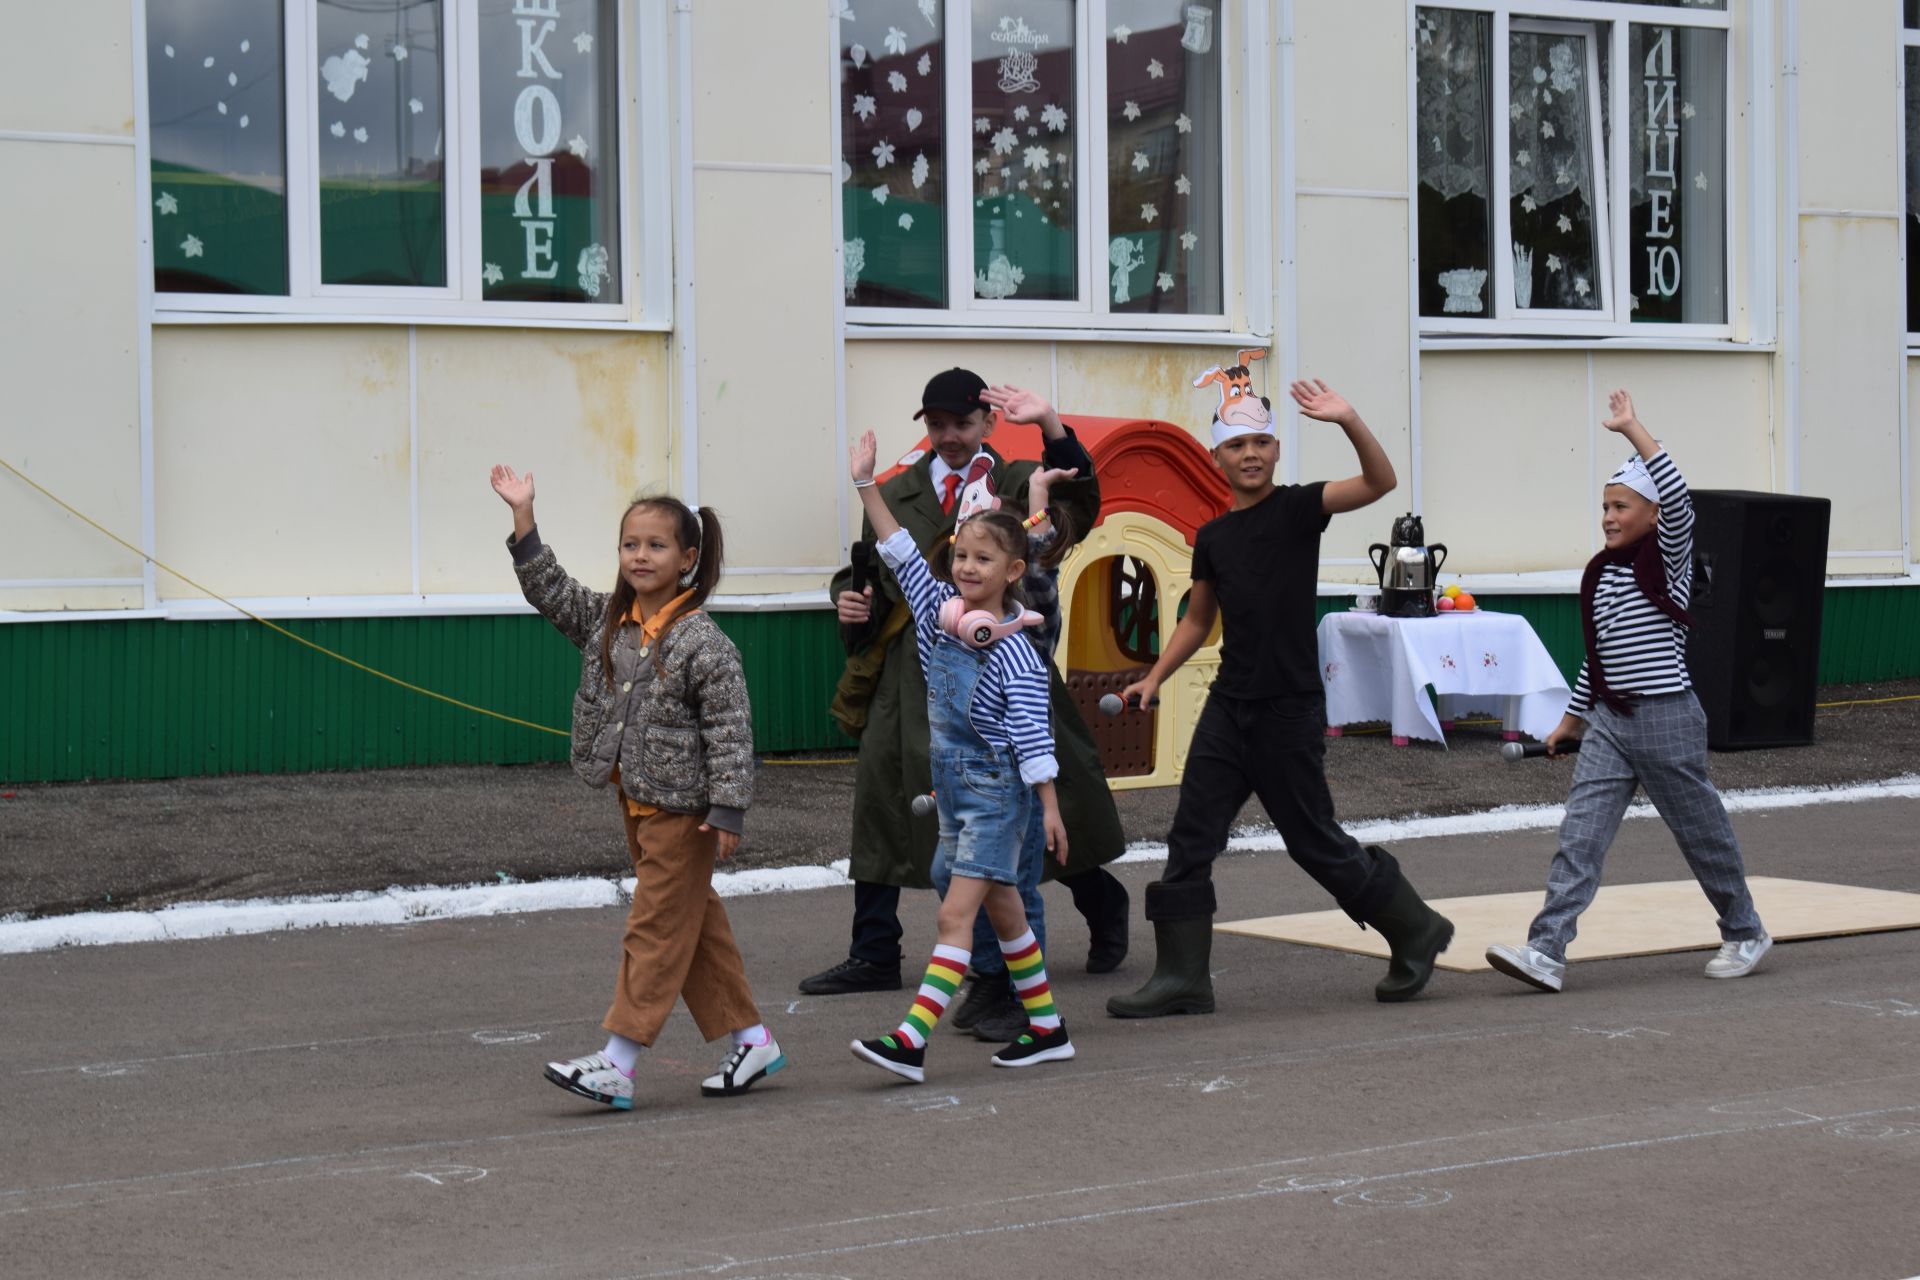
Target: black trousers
x,y
1274,748
876,912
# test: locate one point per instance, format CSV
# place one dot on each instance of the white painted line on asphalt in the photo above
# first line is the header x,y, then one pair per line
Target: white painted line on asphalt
x,y
397,906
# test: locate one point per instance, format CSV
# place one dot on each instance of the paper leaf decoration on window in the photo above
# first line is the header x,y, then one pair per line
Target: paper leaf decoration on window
x,y
360,41
592,269
191,246
360,134
843,11
862,106
1148,213
913,118
859,55
399,53
1120,33
981,124
1553,262
491,274
1183,124
1686,111
1154,69
578,146
1527,203
1140,161
1188,240
1564,223
166,204
208,63
1581,287
1522,158
981,166
883,153
927,10
583,43
1164,282
221,107
243,122
1054,118
906,222
244,46
1020,112
1700,180
416,106
880,195
896,41
846,170
920,168
924,65
1546,129
896,82
1036,158
232,80
168,49
1131,111
1004,142
343,73
337,129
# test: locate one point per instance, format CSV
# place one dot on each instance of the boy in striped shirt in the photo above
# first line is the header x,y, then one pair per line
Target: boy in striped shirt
x,y
1635,721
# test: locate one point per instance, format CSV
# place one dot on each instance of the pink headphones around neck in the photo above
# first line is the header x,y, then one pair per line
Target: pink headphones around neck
x,y
979,628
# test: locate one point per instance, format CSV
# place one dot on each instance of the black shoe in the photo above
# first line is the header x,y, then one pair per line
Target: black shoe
x,y
1036,1046
989,996
1181,981
852,975
1102,901
1416,934
890,1054
1003,1025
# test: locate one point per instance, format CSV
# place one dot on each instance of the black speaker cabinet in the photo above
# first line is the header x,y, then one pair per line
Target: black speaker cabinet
x,y
1759,579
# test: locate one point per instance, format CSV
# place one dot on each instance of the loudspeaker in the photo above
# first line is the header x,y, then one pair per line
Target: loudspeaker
x,y
1759,580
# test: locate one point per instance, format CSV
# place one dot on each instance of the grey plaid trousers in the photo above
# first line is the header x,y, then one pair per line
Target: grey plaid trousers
x,y
1662,746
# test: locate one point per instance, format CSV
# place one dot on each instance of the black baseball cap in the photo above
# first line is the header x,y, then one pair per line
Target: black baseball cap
x,y
956,390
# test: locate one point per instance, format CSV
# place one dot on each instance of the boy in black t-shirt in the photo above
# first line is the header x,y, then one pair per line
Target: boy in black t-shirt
x,y
1263,729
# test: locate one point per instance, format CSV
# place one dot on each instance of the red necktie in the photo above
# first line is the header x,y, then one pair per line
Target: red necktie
x,y
953,488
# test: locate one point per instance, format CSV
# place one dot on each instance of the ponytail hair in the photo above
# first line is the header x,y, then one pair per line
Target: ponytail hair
x,y
700,531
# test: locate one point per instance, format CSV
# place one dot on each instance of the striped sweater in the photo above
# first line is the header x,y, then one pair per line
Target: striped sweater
x,y
1009,707
1642,649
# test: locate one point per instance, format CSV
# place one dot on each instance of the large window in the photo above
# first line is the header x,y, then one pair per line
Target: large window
x,y
1050,161
1572,170
433,157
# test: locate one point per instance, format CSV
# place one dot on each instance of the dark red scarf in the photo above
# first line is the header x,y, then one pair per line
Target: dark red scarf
x,y
1650,575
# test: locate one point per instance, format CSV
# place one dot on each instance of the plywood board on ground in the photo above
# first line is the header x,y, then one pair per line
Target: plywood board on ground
x,y
1624,920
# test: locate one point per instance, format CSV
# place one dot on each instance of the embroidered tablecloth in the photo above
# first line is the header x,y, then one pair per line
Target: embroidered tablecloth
x,y
1376,668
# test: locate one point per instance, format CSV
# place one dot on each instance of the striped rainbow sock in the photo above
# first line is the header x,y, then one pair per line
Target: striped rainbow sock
x,y
944,971
1028,969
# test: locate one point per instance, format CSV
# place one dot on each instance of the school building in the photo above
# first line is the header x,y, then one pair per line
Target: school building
x,y
285,277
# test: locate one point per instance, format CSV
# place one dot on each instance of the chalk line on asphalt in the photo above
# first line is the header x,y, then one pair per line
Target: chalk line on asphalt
x,y
398,906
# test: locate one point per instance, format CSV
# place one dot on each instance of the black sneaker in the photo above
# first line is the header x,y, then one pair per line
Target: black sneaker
x,y
1035,1046
890,1053
1003,1025
989,995
852,975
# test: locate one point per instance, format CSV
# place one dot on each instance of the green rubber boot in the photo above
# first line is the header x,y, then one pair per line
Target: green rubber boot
x,y
1417,935
1181,981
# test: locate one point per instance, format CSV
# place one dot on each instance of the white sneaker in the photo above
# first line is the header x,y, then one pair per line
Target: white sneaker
x,y
1527,965
1737,959
596,1078
744,1064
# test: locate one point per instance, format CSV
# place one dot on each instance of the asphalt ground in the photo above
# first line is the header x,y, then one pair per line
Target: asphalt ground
x,y
107,846
368,1102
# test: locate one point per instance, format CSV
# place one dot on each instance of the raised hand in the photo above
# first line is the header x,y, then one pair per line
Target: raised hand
x,y
860,457
1017,404
1041,483
515,491
1318,401
1620,406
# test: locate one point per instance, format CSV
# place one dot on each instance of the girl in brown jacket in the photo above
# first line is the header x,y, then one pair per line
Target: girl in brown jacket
x,y
662,712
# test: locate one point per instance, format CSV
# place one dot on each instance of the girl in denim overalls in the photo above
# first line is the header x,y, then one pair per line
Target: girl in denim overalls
x,y
992,760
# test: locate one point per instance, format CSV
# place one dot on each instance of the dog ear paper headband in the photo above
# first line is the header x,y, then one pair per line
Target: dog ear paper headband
x,y
1241,412
1633,473
976,493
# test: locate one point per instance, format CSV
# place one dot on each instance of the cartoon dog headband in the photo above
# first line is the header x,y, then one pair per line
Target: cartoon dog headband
x,y
976,493
1633,473
1241,412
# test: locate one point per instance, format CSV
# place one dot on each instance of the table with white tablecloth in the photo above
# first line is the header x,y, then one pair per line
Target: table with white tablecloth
x,y
1377,668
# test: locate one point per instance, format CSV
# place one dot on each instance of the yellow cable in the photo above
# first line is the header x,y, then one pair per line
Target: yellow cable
x,y
272,626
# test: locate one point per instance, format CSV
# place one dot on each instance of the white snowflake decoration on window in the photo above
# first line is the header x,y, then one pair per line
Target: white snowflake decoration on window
x,y
896,41
920,169
1148,213
1154,69
863,106
1139,162
896,82
1131,111
1182,123
191,246
1004,142
1054,118
883,153
1181,185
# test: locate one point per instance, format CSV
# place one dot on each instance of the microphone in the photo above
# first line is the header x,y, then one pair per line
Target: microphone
x,y
1110,704
1513,752
924,805
862,557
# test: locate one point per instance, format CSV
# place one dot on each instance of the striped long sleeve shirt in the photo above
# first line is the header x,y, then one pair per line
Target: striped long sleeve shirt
x,y
1009,707
1642,649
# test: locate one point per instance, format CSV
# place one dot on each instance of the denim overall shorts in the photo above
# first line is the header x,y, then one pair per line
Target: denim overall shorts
x,y
984,805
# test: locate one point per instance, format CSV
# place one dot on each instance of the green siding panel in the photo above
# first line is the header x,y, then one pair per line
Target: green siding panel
x,y
149,699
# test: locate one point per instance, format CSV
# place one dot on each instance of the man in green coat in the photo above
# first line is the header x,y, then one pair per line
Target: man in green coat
x,y
883,699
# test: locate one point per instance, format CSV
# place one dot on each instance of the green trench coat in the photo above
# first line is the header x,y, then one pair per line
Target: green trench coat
x,y
890,845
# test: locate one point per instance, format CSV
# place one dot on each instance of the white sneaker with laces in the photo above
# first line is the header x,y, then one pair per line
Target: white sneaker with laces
x,y
744,1064
1527,965
595,1078
1737,959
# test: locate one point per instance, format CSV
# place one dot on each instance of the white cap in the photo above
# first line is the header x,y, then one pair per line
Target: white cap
x,y
1633,473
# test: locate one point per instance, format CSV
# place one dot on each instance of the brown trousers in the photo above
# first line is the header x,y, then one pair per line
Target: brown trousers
x,y
678,943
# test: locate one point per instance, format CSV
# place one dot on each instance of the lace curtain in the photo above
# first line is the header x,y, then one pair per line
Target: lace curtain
x,y
1451,75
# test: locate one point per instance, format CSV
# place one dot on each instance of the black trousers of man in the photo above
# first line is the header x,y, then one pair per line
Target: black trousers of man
x,y
1274,748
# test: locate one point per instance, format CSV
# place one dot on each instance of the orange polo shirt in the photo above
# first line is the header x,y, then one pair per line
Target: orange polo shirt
x,y
649,632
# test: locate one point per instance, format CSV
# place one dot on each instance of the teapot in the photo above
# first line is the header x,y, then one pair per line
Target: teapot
x,y
1408,569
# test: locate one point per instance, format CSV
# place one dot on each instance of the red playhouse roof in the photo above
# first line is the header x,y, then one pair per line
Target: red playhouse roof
x,y
1144,465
